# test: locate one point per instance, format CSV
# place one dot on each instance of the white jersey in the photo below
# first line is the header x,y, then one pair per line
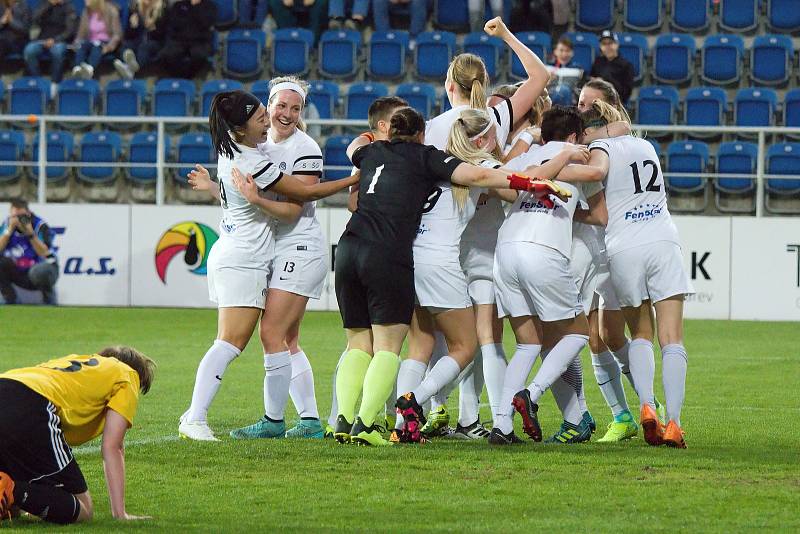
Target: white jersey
x,y
529,220
481,230
635,195
299,154
437,130
246,232
591,235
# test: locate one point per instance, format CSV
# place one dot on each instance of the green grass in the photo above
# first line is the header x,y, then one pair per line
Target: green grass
x,y
739,473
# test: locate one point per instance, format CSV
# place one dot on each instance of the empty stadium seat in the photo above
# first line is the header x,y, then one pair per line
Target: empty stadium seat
x,y
687,157
634,48
420,96
791,110
324,96
336,156
721,59
211,88
783,159
291,51
338,53
540,44
562,95
125,98
143,148
586,46
673,58
690,15
386,56
227,13
360,96
243,53
77,97
29,95
643,15
755,107
490,49
58,150
657,105
771,58
595,15
98,147
738,15
173,97
451,15
433,54
705,106
736,158
783,15
12,148
252,13
193,148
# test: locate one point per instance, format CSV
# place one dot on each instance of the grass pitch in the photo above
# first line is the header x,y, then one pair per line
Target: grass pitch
x,y
741,471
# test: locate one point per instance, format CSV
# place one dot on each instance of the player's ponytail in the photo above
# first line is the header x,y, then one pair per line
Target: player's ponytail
x,y
230,111
406,124
610,96
468,73
471,125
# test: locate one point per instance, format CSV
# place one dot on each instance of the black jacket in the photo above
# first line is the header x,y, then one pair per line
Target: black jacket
x,y
191,23
20,25
618,72
139,31
58,22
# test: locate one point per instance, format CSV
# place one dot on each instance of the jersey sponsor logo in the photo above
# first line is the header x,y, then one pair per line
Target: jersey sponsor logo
x,y
422,229
643,212
193,239
536,207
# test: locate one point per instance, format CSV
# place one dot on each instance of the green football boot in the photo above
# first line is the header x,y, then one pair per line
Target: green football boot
x,y
263,428
437,424
361,434
569,433
306,428
661,410
621,428
328,432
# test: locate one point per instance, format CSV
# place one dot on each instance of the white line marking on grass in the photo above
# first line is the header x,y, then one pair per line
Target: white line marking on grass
x,y
92,449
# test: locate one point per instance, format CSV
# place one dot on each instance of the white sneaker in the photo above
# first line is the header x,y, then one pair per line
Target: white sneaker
x,y
77,71
87,71
123,70
129,57
196,430
53,90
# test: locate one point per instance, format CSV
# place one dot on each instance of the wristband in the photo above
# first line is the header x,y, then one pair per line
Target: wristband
x,y
519,183
526,137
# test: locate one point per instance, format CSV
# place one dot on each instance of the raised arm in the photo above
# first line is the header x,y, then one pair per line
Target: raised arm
x,y
292,187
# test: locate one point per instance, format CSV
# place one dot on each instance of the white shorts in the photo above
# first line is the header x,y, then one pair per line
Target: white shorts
x,y
235,287
443,287
584,268
605,298
653,271
301,272
532,279
478,264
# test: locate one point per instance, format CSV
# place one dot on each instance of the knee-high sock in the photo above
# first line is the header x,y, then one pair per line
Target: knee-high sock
x,y
378,383
349,381
334,403
609,379
556,363
277,378
623,357
674,363
209,378
494,370
567,400
410,376
643,370
574,377
515,377
51,504
469,391
445,371
439,350
301,388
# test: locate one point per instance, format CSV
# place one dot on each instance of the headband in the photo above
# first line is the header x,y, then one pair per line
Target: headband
x,y
291,86
242,106
482,132
596,123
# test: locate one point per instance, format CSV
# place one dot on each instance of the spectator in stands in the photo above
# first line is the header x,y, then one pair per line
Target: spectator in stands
x,y
358,10
189,33
418,10
533,15
99,33
289,13
477,12
612,67
15,24
27,259
563,54
57,23
144,36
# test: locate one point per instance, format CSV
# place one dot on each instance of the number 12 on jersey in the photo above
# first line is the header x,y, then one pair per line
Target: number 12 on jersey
x,y
374,182
651,185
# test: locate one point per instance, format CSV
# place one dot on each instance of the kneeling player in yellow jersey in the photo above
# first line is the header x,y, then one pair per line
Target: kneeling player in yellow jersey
x,y
59,404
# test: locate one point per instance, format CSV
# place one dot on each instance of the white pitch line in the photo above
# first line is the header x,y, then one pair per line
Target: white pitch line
x,y
92,449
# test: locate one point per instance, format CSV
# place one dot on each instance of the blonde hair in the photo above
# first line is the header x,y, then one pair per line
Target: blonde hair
x,y
610,96
470,123
96,5
468,73
152,12
540,105
304,85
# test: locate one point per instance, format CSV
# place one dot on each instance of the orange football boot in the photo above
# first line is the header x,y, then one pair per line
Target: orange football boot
x,y
673,436
6,496
653,429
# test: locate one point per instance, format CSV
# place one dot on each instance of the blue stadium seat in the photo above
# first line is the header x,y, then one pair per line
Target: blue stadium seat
x,y
58,150
227,13
360,96
12,148
445,102
783,159
260,89
291,51
586,46
97,147
771,58
791,110
193,148
738,15
634,48
2,94
643,15
657,105
210,90
755,107
336,155
243,53
173,97
29,95
252,13
686,157
541,45
451,15
338,53
656,146
783,15
125,98
324,96
420,96
386,56
595,15
77,97
433,54
490,49
721,59
736,158
705,106
673,58
143,148
562,95
690,15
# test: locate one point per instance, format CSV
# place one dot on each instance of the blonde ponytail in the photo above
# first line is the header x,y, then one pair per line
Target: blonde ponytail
x,y
468,73
470,122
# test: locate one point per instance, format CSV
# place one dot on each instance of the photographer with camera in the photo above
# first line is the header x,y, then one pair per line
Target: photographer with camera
x,y
27,257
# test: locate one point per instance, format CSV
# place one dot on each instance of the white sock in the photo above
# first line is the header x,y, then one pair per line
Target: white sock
x,y
494,370
516,375
334,404
556,363
410,376
209,378
609,379
445,371
643,370
574,377
301,387
277,377
623,357
567,401
469,392
674,363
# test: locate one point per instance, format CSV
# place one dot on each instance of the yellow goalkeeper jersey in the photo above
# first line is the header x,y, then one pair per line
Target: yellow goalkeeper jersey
x,y
81,387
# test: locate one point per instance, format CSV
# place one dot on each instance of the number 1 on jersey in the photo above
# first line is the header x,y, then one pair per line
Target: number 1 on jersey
x,y
374,181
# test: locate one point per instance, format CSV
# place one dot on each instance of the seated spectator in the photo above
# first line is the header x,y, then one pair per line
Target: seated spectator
x,y
143,38
418,9
99,33
612,67
289,13
358,10
477,12
189,33
27,257
533,15
563,54
57,22
564,72
15,24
